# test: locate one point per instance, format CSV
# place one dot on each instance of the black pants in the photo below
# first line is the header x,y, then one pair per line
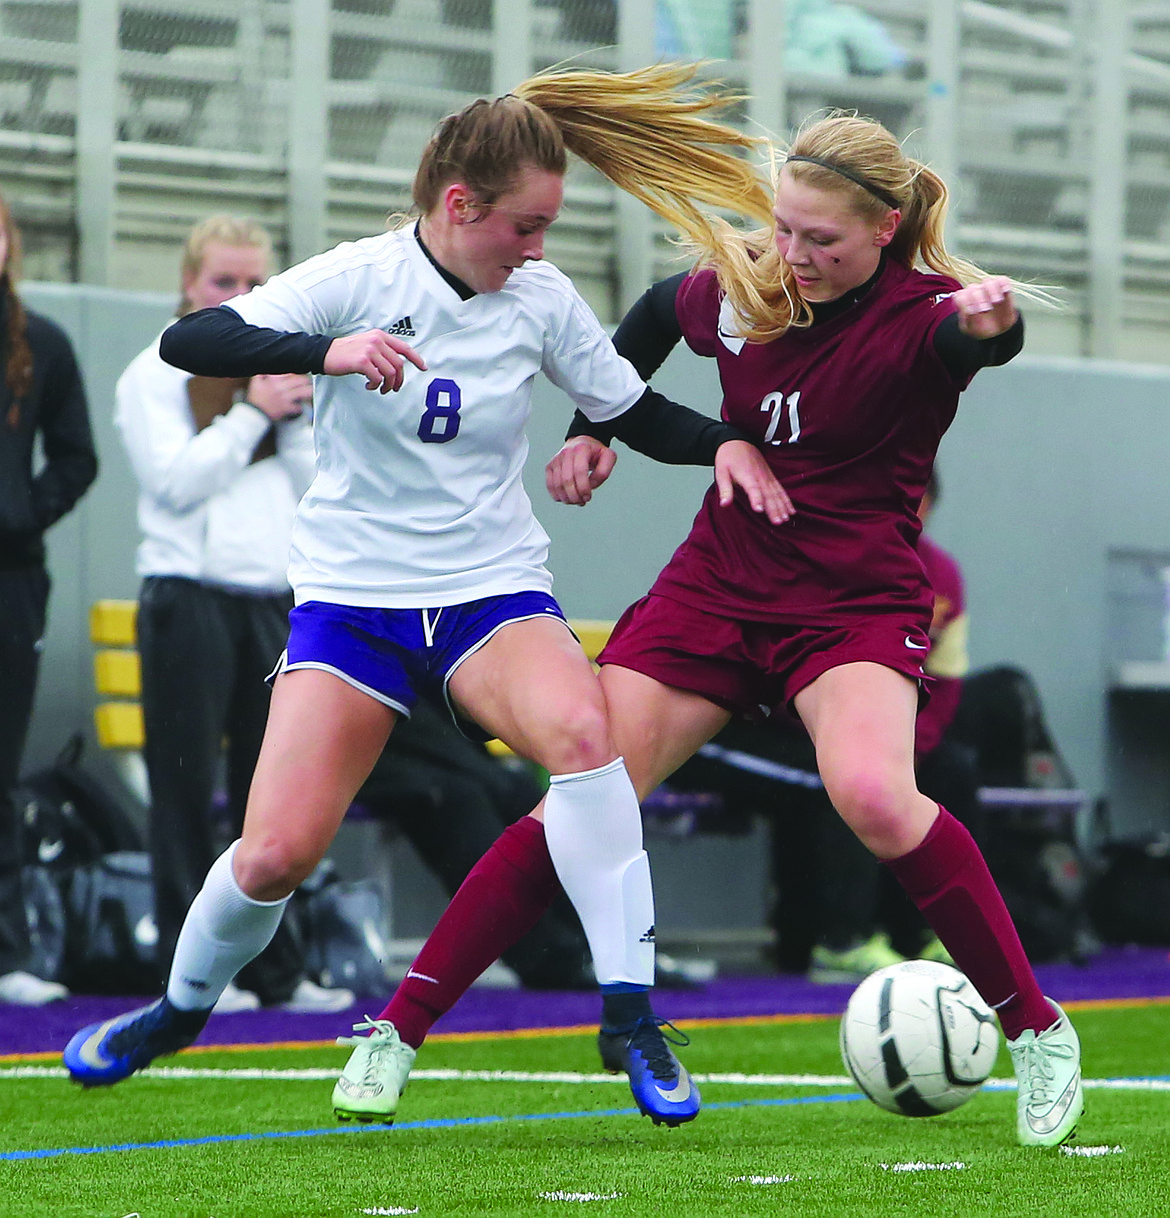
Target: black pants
x,y
24,599
205,654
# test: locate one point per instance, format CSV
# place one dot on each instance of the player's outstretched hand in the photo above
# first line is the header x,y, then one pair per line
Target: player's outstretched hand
x,y
581,466
378,356
740,464
987,308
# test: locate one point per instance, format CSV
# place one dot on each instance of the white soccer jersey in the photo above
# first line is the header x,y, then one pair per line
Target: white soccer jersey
x,y
418,499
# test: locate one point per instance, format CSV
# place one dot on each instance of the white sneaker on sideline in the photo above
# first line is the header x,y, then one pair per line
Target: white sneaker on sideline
x,y
1048,1068
311,998
24,990
234,999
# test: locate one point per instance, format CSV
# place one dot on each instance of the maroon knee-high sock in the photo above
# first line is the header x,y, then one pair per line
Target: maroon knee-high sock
x,y
502,898
947,878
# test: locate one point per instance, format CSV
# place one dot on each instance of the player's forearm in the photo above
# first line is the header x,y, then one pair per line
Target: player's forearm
x,y
218,342
663,430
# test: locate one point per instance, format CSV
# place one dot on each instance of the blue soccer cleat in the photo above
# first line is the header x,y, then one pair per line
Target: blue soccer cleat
x,y
661,1086
106,1053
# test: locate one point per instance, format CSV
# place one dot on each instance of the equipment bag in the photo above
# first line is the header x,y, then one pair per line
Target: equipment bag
x,y
342,924
112,937
45,913
1001,715
1129,900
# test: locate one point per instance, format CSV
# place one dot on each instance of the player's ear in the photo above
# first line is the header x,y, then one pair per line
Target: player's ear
x,y
888,227
459,204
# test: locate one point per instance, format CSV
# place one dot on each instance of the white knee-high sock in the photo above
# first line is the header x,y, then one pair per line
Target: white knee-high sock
x,y
224,930
593,828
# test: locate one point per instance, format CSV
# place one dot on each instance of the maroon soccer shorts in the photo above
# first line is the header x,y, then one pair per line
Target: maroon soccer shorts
x,y
754,669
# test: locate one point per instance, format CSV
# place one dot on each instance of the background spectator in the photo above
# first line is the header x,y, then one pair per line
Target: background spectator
x,y
221,466
42,401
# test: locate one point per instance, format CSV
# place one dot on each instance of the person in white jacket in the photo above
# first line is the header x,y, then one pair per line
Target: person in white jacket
x,y
221,466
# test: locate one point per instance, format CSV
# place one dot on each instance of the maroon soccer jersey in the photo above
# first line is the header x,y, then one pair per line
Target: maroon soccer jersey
x,y
849,414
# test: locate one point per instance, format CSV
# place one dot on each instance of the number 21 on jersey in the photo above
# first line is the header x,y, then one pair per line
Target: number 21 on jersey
x,y
784,425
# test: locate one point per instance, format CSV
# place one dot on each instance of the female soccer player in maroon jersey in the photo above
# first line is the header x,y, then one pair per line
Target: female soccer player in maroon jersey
x,y
844,360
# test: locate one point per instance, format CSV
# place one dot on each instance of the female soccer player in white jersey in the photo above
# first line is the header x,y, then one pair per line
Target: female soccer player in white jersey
x,y
418,565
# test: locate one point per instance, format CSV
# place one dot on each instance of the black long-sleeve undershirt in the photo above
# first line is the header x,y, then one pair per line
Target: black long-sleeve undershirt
x,y
664,430
650,331
219,342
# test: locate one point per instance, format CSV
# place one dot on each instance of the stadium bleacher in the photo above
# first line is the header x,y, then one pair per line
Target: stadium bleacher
x,y
204,93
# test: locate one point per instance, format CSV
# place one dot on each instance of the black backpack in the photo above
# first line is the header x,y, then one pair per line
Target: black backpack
x,y
1001,716
44,910
342,927
68,817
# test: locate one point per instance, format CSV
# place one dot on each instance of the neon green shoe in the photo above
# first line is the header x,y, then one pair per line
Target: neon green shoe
x,y
935,952
1048,1070
375,1076
829,967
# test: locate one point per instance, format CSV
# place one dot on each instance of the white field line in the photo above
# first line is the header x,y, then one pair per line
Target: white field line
x,y
317,1074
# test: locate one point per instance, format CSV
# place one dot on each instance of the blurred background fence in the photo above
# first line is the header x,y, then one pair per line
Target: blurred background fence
x,y
124,121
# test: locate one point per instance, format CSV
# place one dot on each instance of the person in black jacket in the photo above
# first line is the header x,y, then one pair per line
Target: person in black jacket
x,y
41,398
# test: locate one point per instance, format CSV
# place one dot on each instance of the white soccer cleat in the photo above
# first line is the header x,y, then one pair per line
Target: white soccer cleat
x,y
309,998
375,1076
1048,1070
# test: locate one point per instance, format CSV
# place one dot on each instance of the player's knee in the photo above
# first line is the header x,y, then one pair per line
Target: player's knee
x,y
579,740
270,871
876,809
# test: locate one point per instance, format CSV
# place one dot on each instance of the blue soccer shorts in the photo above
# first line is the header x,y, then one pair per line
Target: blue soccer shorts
x,y
397,655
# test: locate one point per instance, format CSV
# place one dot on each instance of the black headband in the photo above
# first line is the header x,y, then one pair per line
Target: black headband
x,y
878,192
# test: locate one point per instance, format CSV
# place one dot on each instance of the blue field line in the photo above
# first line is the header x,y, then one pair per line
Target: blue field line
x,y
12,1156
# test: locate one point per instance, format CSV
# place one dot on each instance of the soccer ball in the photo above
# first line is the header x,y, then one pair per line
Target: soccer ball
x,y
918,1039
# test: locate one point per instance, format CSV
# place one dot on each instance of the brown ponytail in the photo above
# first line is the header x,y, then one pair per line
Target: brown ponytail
x,y
18,361
485,146
647,131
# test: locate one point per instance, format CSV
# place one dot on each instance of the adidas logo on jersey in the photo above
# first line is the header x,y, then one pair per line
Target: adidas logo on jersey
x,y
402,328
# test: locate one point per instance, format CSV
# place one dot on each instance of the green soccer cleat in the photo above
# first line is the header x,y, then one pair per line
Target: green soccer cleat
x,y
830,967
375,1076
1048,1069
934,951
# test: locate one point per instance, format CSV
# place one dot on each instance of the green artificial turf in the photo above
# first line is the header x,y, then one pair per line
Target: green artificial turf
x,y
164,1147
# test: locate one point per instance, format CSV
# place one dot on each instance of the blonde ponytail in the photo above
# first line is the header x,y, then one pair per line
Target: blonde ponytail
x,y
648,132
